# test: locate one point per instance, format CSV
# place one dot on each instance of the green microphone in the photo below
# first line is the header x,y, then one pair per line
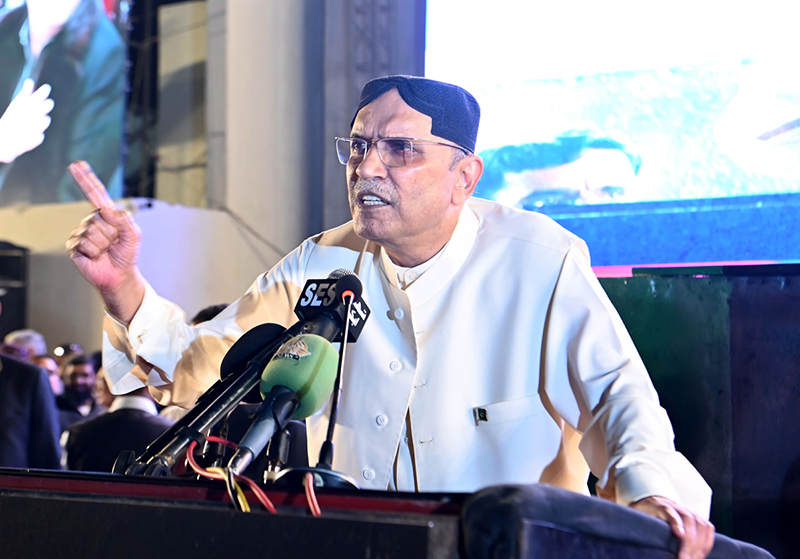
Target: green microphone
x,y
306,365
295,384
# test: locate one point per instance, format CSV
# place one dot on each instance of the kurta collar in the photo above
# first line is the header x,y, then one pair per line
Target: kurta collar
x,y
448,263
407,276
133,403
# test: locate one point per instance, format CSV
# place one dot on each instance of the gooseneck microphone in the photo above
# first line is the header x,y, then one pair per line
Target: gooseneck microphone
x,y
348,289
347,298
294,385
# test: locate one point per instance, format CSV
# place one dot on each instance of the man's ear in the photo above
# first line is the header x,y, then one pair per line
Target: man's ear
x,y
469,171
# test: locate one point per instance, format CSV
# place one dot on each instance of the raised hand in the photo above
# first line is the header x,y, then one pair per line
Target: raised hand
x,y
24,122
105,247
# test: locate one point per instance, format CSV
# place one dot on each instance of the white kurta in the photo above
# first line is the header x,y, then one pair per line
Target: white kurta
x,y
509,319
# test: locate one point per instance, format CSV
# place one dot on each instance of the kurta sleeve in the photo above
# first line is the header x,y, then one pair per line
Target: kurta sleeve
x,y
179,362
590,360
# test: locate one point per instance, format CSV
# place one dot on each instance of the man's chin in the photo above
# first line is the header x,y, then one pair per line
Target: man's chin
x,y
369,230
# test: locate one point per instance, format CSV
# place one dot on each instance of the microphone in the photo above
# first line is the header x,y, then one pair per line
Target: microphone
x,y
319,311
319,300
233,387
247,347
294,385
349,290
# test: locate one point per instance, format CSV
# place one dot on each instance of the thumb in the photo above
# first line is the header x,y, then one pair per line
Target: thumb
x,y
27,89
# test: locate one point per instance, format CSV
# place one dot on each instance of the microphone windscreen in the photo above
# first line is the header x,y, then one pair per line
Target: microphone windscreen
x,y
339,273
349,282
306,364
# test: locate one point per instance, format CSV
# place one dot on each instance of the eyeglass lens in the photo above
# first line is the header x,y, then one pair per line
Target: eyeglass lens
x,y
393,152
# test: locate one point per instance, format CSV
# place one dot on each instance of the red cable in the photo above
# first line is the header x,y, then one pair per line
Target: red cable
x,y
220,440
260,495
311,497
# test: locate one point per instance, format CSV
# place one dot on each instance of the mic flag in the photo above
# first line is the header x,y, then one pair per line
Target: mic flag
x,y
320,297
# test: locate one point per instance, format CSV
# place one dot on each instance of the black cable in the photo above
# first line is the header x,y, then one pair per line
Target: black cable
x,y
230,485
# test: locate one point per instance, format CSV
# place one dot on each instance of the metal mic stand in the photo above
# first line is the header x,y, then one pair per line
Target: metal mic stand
x,y
324,475
160,457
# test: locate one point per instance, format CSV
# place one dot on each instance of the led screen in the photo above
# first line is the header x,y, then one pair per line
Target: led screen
x,y
62,81
594,111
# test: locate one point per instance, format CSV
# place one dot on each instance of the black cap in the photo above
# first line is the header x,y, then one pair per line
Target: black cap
x,y
454,111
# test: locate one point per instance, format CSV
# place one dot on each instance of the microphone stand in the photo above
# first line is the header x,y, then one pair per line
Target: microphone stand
x,y
326,451
324,475
161,455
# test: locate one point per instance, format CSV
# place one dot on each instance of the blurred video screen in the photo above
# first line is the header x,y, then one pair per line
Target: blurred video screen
x,y
606,115
62,97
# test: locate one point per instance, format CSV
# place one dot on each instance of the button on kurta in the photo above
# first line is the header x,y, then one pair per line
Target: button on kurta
x,y
395,366
381,420
140,337
368,474
399,314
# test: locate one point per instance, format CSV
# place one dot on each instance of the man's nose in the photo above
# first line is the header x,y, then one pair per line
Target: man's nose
x,y
372,165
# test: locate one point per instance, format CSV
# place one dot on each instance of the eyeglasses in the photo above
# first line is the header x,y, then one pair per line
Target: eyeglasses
x,y
394,152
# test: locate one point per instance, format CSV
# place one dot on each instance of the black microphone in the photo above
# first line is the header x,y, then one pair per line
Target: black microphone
x,y
320,313
247,347
319,299
295,384
348,290
214,404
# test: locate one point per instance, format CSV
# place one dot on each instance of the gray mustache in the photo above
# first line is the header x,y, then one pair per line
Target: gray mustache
x,y
374,186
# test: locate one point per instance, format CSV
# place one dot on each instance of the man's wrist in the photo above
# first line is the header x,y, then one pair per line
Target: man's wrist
x,y
123,302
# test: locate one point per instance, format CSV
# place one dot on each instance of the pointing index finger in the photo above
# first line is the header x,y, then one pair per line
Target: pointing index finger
x,y
90,185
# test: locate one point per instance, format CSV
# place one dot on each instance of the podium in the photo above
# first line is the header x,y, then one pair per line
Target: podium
x,y
70,515
67,515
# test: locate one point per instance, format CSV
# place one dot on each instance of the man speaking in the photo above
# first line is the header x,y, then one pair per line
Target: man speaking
x,y
493,356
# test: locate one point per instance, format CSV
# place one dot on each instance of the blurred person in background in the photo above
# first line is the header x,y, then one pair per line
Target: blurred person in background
x,y
101,391
49,364
29,425
15,351
77,402
132,423
30,340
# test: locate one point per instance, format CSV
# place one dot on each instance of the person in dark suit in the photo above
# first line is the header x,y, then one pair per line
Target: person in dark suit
x,y
132,423
28,419
77,402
